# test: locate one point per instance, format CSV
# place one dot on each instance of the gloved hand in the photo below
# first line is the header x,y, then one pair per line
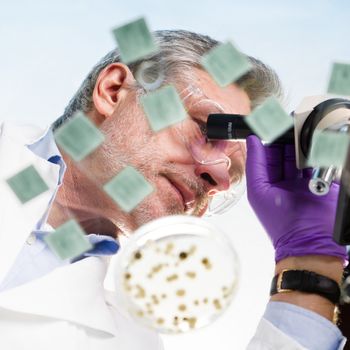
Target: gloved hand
x,y
297,221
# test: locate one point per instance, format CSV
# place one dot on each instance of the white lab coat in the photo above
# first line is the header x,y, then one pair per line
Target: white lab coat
x,y
67,308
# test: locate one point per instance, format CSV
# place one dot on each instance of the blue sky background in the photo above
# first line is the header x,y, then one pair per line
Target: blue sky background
x,y
47,48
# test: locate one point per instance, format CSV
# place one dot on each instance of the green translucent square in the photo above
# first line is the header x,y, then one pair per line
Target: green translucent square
x,y
128,188
269,121
340,79
68,241
134,41
163,107
27,184
79,137
328,148
225,64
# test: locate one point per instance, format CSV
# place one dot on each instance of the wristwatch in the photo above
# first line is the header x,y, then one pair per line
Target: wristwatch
x,y
305,281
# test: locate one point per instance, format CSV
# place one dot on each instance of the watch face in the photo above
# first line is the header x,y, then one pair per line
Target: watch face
x,y
176,274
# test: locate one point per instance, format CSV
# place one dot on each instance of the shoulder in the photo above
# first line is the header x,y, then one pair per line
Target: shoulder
x,y
21,133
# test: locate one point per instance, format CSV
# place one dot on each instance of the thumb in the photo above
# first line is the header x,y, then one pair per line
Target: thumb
x,y
256,165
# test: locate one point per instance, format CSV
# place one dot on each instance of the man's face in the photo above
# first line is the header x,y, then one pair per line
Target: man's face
x,y
164,158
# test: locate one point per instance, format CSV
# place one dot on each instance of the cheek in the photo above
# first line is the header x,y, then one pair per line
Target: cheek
x,y
162,202
129,129
171,146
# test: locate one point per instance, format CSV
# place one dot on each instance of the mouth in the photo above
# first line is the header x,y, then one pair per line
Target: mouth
x,y
186,195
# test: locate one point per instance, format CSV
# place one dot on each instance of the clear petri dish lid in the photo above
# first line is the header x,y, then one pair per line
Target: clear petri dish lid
x,y
150,75
176,274
222,202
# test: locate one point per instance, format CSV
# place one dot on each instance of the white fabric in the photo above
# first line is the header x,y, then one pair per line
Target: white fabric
x,y
309,328
67,308
268,337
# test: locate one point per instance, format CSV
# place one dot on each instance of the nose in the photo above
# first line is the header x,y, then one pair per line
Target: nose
x,y
216,177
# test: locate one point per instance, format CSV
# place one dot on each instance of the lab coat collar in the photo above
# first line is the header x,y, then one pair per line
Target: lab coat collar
x,y
22,133
73,293
17,220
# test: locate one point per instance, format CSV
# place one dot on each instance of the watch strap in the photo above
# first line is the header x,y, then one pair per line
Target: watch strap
x,y
305,281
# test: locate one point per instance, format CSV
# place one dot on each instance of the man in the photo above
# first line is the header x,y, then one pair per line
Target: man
x,y
49,304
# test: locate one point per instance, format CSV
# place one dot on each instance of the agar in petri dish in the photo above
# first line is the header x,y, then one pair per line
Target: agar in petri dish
x,y
176,274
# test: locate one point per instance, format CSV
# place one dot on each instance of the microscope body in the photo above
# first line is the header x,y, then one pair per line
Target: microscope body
x,y
319,113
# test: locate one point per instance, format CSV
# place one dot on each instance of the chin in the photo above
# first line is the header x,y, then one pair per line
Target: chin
x,y
152,210
162,202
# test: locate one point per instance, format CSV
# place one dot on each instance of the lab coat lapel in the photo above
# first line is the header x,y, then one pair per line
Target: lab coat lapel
x,y
73,293
18,220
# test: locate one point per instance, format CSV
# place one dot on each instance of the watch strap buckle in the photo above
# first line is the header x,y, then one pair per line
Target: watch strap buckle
x,y
280,281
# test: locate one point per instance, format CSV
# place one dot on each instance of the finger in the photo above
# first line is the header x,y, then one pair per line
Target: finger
x,y
290,170
264,164
256,168
274,156
307,173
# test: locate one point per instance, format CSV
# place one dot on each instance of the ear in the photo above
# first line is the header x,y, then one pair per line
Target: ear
x,y
110,88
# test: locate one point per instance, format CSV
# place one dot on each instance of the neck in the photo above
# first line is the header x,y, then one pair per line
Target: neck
x,y
82,200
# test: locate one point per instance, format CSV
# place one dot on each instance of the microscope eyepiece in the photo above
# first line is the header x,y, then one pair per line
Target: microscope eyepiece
x,y
233,127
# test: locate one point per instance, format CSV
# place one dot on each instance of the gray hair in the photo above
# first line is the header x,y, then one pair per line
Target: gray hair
x,y
179,51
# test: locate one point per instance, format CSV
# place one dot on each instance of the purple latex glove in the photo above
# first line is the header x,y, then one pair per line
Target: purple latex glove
x,y
297,221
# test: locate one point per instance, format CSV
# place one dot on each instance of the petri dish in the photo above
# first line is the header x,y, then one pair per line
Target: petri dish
x,y
222,202
176,274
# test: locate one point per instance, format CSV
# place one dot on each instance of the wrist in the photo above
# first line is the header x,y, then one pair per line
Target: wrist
x,y
328,266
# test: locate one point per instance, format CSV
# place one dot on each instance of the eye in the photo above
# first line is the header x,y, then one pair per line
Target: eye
x,y
202,127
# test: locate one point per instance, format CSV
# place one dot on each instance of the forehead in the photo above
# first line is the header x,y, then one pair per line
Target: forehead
x,y
233,99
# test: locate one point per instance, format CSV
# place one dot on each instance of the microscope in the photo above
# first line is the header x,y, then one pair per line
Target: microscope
x,y
316,113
